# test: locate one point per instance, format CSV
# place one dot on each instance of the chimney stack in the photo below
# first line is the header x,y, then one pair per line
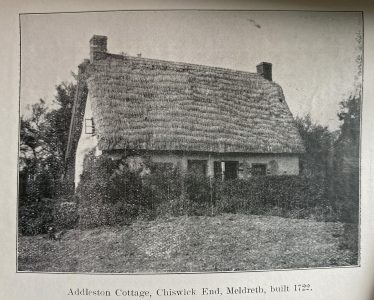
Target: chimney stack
x,y
98,47
265,70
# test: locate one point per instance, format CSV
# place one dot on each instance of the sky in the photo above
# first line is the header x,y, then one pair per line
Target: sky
x,y
313,53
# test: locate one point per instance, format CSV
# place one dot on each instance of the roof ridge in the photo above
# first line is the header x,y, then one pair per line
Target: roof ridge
x,y
182,64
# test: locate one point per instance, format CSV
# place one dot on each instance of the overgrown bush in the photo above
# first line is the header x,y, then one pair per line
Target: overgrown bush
x,y
164,185
345,194
294,196
199,194
179,194
36,217
65,213
110,193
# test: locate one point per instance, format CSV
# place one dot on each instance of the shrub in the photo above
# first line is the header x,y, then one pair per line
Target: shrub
x,y
349,241
163,185
65,213
345,195
36,217
173,193
110,193
288,196
199,194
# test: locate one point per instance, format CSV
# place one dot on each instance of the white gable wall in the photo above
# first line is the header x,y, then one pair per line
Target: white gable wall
x,y
87,143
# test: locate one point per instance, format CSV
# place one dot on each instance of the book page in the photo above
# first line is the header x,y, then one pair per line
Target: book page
x,y
195,151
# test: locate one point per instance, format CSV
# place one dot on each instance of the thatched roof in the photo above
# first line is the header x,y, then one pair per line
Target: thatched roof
x,y
141,103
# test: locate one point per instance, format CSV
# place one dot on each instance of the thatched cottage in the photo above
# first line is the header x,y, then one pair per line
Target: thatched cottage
x,y
214,121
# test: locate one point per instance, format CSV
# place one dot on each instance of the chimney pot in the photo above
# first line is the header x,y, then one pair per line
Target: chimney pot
x,y
265,70
98,47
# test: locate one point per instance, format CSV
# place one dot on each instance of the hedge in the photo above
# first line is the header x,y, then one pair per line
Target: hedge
x,y
110,192
289,196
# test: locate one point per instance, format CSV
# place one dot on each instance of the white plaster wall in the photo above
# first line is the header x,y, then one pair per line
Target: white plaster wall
x,y
87,142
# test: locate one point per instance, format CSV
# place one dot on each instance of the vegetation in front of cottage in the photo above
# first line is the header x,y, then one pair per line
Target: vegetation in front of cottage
x,y
110,193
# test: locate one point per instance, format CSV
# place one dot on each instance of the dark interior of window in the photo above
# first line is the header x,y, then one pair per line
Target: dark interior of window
x,y
231,170
197,167
162,167
258,169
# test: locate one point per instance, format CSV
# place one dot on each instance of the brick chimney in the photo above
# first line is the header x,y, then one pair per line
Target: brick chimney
x,y
98,47
265,70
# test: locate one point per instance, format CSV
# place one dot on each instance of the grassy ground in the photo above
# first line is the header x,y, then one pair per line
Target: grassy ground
x,y
192,244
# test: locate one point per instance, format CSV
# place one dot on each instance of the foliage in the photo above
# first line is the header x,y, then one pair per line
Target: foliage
x,y
345,186
35,217
199,193
43,140
65,213
110,193
165,187
287,196
318,141
335,156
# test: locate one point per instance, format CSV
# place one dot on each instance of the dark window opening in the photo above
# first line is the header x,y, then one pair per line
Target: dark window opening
x,y
231,170
162,167
226,170
197,167
89,126
258,169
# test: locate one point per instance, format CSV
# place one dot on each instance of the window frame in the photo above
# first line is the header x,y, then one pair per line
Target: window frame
x,y
265,170
204,163
89,128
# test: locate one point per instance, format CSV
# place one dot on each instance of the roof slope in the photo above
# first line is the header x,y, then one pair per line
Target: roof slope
x,y
141,103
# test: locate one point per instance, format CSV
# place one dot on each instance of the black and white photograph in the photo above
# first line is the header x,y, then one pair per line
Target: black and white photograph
x,y
189,141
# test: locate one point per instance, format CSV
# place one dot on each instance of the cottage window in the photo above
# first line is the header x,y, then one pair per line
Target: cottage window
x,y
89,126
197,167
258,169
226,170
273,167
231,170
162,167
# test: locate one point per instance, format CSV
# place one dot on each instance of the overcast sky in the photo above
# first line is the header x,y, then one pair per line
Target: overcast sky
x,y
313,54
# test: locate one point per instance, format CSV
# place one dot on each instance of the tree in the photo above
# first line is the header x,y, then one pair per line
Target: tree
x,y
346,167
31,129
43,141
58,120
318,141
335,156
